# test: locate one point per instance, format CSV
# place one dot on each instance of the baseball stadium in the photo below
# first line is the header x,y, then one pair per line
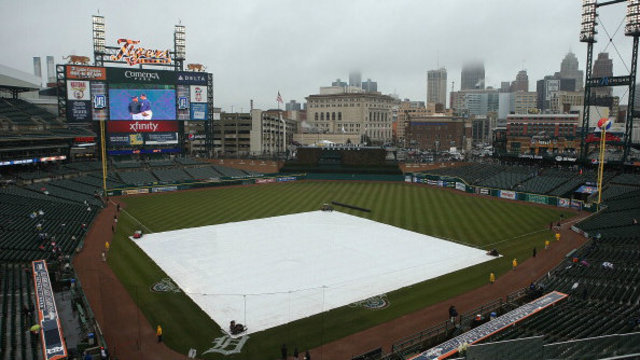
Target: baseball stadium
x,y
125,235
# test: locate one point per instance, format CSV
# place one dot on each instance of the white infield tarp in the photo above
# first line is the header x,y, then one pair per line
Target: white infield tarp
x,y
268,272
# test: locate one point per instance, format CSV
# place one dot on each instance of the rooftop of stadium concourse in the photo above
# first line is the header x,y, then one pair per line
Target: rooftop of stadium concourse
x,y
16,80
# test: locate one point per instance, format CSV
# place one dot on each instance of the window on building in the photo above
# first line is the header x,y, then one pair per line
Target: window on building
x,y
333,116
328,116
316,116
321,116
340,115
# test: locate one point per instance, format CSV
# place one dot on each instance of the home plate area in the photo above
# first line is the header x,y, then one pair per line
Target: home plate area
x,y
267,272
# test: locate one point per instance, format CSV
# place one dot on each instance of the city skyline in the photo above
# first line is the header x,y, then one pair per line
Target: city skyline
x,y
253,53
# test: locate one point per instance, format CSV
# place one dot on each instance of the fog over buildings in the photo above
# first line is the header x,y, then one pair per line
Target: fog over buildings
x,y
255,49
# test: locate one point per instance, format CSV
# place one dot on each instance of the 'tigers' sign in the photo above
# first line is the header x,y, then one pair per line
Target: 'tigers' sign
x,y
138,55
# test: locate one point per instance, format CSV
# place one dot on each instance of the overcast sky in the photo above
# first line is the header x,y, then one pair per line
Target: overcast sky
x,y
255,48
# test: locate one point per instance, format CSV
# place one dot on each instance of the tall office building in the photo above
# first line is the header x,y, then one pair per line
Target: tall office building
x,y
602,67
437,86
521,83
293,106
37,68
472,76
369,86
339,82
51,72
569,70
355,79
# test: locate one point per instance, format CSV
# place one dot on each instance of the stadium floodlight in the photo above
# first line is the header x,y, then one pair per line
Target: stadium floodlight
x,y
179,41
588,25
632,26
99,41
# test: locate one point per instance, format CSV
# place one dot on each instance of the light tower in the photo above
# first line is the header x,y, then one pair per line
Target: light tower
x,y
587,34
179,46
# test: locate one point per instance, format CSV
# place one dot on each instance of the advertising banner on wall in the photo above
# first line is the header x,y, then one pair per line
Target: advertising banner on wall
x,y
86,72
142,126
161,138
78,111
564,202
576,204
119,139
78,90
184,110
265,181
99,95
198,94
143,151
538,199
144,76
191,78
199,111
508,194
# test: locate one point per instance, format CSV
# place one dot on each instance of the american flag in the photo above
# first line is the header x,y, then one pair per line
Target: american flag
x,y
279,98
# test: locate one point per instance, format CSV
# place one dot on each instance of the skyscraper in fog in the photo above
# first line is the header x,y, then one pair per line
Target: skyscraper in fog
x,y
437,86
472,76
569,70
521,83
602,67
355,79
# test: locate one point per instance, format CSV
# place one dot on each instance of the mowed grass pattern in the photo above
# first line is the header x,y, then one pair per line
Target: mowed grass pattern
x,y
513,228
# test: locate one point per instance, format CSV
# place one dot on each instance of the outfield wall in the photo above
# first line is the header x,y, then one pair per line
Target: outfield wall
x,y
460,185
434,180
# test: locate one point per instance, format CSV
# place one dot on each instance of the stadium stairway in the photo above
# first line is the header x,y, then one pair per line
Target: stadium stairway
x,y
17,343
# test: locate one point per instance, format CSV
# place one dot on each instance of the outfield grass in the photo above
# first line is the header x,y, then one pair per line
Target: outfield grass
x,y
512,228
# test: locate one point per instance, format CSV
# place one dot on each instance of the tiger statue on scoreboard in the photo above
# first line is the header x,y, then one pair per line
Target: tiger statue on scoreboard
x,y
196,67
77,60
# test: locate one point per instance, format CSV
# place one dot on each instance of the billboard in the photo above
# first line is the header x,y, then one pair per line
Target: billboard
x,y
199,111
191,78
160,138
140,76
126,139
86,72
508,194
198,94
78,90
137,103
141,126
78,111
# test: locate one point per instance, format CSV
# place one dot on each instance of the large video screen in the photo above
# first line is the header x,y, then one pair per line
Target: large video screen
x,y
136,102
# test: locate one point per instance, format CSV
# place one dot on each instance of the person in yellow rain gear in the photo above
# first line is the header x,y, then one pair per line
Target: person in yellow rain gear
x,y
546,244
514,263
557,236
159,333
107,246
492,278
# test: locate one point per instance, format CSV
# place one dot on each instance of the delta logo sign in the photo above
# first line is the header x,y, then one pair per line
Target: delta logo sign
x,y
134,55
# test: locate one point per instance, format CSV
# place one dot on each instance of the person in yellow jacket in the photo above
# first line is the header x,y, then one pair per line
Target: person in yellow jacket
x,y
546,244
514,263
492,278
557,236
159,333
107,246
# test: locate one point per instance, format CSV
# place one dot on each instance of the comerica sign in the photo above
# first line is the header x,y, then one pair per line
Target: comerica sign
x,y
138,55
